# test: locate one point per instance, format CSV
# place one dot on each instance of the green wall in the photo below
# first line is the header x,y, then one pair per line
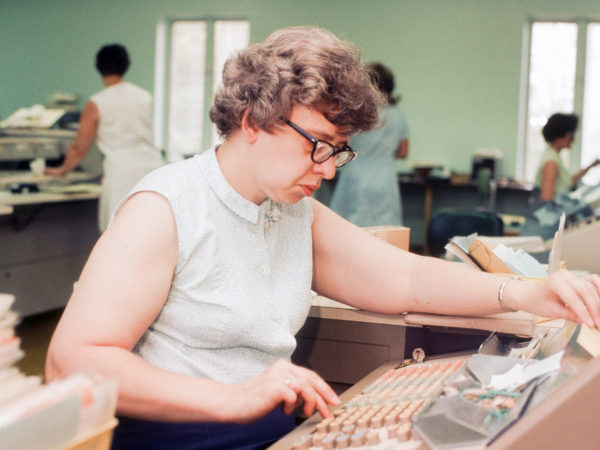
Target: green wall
x,y
457,62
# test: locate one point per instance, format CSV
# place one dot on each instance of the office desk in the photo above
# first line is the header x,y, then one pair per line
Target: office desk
x,y
343,344
422,197
566,418
44,243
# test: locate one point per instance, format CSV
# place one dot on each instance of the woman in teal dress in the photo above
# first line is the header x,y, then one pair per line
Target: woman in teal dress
x,y
367,191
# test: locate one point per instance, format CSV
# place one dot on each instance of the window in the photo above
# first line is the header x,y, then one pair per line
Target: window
x,y
560,54
190,58
590,131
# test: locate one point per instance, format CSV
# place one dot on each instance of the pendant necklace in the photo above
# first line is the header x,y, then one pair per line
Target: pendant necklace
x,y
272,213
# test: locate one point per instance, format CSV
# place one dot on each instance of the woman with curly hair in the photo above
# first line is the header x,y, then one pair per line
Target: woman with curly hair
x,y
193,295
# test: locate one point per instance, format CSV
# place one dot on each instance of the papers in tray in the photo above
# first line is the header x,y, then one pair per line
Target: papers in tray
x,y
33,117
498,258
471,413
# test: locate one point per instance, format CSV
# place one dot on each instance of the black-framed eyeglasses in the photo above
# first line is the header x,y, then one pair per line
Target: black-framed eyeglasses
x,y
323,150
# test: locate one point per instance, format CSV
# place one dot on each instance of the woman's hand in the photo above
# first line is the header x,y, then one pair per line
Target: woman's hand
x,y
54,171
563,295
282,383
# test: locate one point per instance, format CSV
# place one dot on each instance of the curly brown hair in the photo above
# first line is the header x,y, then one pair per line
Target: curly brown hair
x,y
297,66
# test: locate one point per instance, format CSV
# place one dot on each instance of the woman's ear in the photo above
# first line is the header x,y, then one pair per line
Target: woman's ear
x,y
249,128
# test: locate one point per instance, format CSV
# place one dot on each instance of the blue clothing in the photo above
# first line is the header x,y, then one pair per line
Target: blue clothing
x,y
367,191
148,435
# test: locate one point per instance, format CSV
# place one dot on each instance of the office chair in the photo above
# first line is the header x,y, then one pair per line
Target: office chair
x,y
447,223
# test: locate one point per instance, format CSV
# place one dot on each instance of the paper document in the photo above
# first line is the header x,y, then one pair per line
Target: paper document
x,y
35,117
519,375
520,262
589,339
554,261
530,244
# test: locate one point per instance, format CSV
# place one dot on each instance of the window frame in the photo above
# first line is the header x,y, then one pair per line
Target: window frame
x,y
162,78
579,87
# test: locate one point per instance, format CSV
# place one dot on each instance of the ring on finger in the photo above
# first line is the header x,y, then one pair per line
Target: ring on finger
x,y
287,381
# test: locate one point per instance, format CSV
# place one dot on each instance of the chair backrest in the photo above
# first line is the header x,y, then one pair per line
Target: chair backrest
x,y
447,223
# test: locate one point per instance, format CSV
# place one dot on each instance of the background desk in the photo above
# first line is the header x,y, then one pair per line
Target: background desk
x,y
44,243
422,197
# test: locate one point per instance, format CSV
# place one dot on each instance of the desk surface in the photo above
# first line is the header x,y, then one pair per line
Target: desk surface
x,y
9,200
501,183
38,132
10,177
6,210
325,308
73,186
519,323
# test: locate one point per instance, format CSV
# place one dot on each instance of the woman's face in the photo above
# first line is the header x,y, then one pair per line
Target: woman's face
x,y
564,142
283,166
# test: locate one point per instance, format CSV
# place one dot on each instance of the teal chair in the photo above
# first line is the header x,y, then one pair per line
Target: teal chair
x,y
447,223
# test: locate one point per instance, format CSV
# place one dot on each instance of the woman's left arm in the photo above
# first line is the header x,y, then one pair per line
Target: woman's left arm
x,y
356,268
402,150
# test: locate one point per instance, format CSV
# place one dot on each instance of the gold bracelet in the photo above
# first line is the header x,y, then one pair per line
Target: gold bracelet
x,y
501,292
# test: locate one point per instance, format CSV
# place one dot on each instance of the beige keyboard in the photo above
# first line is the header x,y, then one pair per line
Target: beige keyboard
x,y
380,416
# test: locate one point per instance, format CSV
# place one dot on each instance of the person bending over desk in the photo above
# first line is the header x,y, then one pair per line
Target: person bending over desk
x,y
553,178
193,295
119,119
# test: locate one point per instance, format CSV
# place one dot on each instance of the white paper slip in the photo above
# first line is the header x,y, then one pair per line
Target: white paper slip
x,y
554,259
589,339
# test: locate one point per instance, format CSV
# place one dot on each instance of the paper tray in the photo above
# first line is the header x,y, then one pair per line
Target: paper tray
x,y
98,439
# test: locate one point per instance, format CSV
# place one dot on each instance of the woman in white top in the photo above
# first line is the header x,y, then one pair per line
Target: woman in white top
x,y
192,296
119,119
553,178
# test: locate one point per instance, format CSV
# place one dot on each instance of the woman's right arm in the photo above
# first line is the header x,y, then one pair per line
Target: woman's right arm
x,y
577,176
86,135
122,288
548,186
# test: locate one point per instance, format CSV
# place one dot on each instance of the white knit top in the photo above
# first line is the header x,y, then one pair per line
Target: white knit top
x,y
241,289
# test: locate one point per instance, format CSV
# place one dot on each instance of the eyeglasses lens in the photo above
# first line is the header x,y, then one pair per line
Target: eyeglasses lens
x,y
343,158
322,152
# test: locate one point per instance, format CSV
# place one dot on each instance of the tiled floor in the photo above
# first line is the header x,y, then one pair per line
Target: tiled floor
x,y
35,333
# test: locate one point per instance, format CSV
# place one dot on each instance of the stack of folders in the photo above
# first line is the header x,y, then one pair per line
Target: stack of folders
x,y
50,416
474,251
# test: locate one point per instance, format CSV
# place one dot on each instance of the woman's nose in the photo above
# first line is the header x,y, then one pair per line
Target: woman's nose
x,y
327,168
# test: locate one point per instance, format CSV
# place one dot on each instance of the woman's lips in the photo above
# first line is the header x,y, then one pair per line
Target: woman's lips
x,y
309,190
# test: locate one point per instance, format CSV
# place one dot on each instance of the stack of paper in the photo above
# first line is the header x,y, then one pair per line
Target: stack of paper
x,y
495,259
33,415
